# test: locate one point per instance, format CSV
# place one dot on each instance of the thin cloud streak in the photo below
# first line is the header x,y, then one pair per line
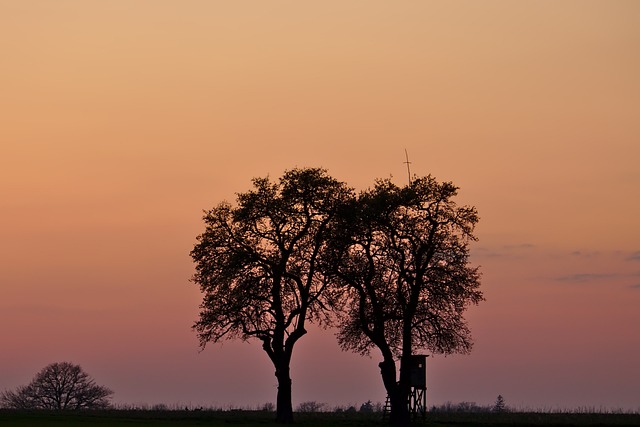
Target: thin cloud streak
x,y
520,246
634,256
586,277
505,251
583,254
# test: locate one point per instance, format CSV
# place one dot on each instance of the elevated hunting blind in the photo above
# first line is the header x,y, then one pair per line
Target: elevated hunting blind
x,y
418,382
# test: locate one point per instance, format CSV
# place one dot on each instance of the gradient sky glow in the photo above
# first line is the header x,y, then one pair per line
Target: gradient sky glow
x,y
121,121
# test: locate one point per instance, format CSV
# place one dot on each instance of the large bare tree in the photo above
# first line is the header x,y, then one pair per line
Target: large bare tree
x,y
257,267
401,254
58,386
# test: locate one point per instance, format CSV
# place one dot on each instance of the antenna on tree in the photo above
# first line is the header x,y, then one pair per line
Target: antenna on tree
x,y
407,162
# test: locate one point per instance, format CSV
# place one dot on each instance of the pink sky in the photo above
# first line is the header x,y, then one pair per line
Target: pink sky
x,y
121,121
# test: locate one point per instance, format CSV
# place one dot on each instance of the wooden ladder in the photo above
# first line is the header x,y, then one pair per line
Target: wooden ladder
x,y
387,408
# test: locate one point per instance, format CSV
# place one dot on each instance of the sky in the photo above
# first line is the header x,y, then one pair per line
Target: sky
x,y
120,122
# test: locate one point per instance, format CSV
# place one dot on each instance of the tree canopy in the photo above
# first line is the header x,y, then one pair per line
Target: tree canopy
x,y
257,266
390,267
401,256
58,386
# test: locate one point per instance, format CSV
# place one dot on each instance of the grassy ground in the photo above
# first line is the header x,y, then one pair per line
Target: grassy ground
x,y
262,419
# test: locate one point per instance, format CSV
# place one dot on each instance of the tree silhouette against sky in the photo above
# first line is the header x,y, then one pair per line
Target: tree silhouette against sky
x,y
58,386
257,267
390,267
401,256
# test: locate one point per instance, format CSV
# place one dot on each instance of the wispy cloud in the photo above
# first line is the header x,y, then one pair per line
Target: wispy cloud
x,y
484,252
585,254
634,256
600,278
505,251
520,246
617,254
586,277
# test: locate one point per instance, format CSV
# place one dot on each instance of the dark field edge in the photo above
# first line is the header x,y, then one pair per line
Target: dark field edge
x,y
126,418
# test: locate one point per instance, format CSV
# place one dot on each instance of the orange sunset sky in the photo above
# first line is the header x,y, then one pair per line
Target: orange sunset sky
x,y
120,121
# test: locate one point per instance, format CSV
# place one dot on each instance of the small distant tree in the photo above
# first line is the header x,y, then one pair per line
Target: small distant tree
x,y
366,407
159,407
268,407
59,386
310,406
500,405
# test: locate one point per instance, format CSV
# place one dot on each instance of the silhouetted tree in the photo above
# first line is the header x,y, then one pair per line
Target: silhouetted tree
x,y
500,405
268,407
311,406
402,254
366,407
59,386
256,265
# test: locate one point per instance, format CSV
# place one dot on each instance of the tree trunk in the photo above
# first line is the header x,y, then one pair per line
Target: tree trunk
x,y
404,389
399,416
284,408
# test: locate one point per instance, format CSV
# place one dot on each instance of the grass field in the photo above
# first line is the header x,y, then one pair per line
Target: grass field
x,y
254,419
